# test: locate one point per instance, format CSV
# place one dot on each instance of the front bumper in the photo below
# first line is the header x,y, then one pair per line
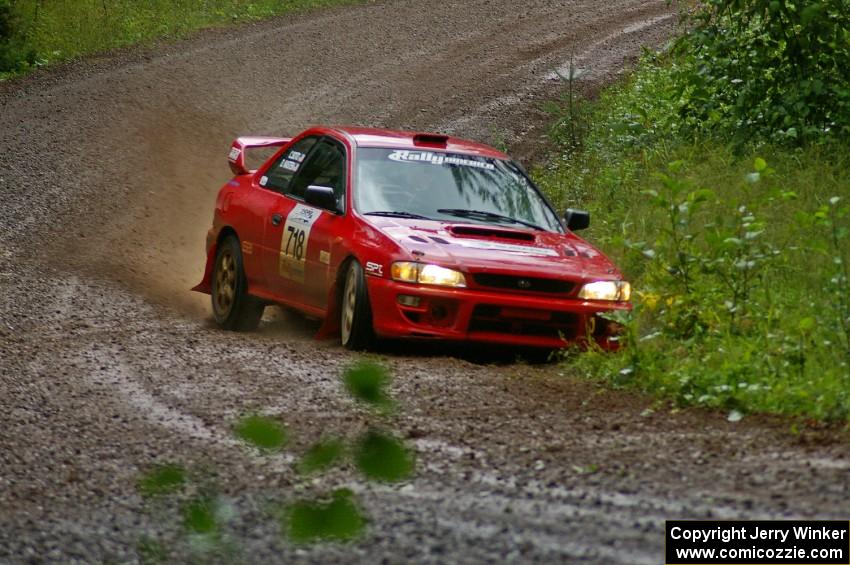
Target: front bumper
x,y
466,314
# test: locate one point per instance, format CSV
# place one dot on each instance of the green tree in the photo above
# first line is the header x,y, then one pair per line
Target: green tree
x,y
767,69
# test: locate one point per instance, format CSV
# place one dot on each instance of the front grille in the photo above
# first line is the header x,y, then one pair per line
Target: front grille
x,y
487,318
527,284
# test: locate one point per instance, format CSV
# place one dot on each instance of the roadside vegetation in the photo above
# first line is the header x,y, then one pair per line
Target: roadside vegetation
x,y
34,33
718,176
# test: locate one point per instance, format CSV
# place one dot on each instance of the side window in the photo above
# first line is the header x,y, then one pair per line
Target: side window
x,y
325,167
280,174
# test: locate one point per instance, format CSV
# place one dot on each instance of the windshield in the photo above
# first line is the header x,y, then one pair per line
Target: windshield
x,y
447,186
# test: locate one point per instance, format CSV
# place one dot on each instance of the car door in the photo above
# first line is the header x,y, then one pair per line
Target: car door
x,y
275,182
326,166
301,271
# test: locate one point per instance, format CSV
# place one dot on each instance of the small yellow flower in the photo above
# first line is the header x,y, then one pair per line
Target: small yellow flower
x,y
649,299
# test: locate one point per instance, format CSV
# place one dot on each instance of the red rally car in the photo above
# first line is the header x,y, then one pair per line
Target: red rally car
x,y
404,235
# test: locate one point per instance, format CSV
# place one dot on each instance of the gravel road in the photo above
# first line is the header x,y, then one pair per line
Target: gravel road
x,y
108,364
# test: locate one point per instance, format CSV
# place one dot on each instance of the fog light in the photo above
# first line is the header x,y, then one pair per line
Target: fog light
x,y
407,300
438,313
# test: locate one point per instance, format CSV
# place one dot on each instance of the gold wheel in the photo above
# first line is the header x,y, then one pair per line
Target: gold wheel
x,y
349,303
355,316
225,283
233,308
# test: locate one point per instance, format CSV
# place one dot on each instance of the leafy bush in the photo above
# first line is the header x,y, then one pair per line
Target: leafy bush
x,y
15,55
766,69
722,319
738,256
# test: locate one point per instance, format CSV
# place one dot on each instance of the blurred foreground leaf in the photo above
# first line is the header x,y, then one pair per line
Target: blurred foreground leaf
x,y
199,515
263,432
367,382
151,551
321,456
162,479
312,521
382,457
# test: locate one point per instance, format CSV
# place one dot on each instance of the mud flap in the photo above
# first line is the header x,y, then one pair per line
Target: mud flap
x,y
205,286
330,325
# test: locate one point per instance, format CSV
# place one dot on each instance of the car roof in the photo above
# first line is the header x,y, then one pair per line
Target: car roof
x,y
386,138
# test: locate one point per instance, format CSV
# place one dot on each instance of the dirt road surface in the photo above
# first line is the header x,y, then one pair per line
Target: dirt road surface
x,y
108,169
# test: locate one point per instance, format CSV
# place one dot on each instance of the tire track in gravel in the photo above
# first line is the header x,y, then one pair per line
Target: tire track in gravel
x,y
108,168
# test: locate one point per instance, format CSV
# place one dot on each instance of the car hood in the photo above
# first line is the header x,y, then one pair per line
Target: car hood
x,y
475,247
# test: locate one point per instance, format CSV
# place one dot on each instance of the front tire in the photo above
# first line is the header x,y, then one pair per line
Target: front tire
x,y
233,308
355,322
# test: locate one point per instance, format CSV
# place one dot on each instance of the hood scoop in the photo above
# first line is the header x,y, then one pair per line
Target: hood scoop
x,y
488,232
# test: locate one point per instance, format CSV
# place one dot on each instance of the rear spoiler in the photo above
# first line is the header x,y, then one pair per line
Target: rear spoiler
x,y
240,145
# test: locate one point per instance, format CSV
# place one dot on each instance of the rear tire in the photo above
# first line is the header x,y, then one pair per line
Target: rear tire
x,y
233,308
355,322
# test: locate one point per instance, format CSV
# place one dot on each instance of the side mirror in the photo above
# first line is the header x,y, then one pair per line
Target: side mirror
x,y
321,196
577,219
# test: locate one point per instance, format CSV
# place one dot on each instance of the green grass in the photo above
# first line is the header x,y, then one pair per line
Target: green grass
x,y
45,31
738,256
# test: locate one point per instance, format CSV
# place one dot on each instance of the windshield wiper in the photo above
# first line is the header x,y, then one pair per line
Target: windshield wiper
x,y
395,214
482,215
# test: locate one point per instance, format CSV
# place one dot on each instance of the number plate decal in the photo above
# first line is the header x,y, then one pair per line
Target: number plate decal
x,y
294,241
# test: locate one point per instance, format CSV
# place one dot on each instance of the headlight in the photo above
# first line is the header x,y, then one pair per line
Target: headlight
x,y
619,291
422,273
